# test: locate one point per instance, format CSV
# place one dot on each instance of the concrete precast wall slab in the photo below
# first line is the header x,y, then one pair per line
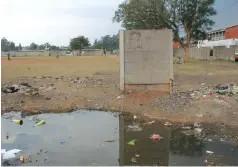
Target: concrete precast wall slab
x,y
146,60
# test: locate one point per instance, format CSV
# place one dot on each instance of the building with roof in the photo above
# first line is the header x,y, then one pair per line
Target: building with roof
x,y
224,33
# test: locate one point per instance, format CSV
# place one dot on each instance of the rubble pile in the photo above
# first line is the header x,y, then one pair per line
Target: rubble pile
x,y
180,101
23,88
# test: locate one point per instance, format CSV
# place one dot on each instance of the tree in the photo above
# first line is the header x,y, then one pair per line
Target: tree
x,y
79,43
33,46
4,44
109,42
19,47
190,16
47,45
7,45
41,47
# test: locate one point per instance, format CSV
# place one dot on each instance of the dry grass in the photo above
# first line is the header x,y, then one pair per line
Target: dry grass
x,y
51,66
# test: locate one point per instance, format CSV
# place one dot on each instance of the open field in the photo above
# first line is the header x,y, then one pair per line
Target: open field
x,y
91,82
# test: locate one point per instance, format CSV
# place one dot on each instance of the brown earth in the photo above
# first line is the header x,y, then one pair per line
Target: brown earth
x,y
70,83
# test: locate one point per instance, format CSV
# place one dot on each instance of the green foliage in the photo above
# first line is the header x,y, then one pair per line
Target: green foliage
x,y
190,16
41,47
108,42
7,45
79,43
19,47
33,46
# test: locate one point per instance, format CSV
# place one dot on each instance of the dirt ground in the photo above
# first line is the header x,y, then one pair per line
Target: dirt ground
x,y
70,83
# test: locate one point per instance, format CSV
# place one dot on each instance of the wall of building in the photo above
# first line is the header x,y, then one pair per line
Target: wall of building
x,y
219,52
146,60
88,52
231,32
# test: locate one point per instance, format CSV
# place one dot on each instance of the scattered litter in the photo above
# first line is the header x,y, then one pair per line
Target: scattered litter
x,y
210,140
9,154
202,84
167,124
196,125
22,159
109,141
135,117
151,122
62,142
156,137
134,127
42,122
20,122
187,127
120,97
132,142
198,130
209,152
137,155
199,115
133,160
221,139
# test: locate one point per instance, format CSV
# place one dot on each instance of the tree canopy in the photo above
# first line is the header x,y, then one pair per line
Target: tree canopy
x,y
189,16
79,43
33,46
7,45
109,42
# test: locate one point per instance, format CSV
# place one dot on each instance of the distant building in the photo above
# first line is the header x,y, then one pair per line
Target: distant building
x,y
224,33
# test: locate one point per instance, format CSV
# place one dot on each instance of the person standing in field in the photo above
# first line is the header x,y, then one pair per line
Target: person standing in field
x,y
8,56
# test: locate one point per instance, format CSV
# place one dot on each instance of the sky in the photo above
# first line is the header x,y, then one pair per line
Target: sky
x,y
57,21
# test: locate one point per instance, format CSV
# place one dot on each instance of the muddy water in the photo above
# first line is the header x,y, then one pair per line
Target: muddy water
x,y
100,138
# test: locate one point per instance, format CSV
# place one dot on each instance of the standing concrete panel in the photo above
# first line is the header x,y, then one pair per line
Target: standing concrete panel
x,y
146,60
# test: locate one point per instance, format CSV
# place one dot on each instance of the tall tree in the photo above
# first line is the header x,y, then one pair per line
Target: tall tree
x,y
4,44
41,47
109,42
33,46
189,16
12,46
79,43
19,47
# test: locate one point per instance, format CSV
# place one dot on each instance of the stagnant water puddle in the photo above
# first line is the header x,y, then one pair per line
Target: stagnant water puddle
x,y
101,138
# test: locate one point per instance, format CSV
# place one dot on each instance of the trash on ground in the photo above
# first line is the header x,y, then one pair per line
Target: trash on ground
x,y
167,124
210,140
42,122
199,115
187,127
20,122
132,142
9,154
22,159
120,97
156,137
134,127
135,117
209,152
133,160
196,125
109,141
198,130
151,122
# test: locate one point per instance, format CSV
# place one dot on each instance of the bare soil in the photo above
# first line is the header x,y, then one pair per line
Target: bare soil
x,y
70,83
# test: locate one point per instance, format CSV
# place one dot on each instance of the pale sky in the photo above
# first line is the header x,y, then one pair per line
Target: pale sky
x,y
57,21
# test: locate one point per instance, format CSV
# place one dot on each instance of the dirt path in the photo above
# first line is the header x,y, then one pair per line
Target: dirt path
x,y
70,83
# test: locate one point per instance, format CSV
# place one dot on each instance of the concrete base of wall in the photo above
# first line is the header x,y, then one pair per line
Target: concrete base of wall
x,y
166,87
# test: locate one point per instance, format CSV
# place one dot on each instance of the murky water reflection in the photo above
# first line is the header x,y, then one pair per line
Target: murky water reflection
x,y
100,138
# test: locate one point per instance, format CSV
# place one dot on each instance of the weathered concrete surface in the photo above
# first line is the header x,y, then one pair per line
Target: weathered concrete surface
x,y
146,59
88,52
219,53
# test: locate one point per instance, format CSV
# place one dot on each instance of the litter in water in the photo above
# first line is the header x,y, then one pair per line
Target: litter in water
x,y
133,160
167,124
9,154
137,155
209,152
62,142
20,122
156,137
132,142
22,159
42,122
134,128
